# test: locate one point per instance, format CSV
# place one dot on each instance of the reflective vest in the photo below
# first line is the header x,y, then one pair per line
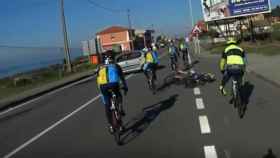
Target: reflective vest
x,y
151,57
234,55
108,74
182,46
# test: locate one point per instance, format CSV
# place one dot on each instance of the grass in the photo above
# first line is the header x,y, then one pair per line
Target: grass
x,y
263,48
39,78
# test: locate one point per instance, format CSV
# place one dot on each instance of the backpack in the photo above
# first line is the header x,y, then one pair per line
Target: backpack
x,y
108,74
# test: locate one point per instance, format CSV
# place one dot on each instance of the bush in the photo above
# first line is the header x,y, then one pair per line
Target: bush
x,y
276,32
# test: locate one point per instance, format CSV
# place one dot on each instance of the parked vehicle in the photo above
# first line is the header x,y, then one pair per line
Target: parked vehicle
x,y
131,62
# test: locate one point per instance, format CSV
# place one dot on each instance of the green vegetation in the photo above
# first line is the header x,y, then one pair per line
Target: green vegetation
x,y
276,32
264,48
22,82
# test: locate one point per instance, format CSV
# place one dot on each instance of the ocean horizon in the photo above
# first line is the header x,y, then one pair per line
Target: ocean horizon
x,y
16,60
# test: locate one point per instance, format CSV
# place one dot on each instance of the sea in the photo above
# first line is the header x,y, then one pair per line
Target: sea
x,y
15,60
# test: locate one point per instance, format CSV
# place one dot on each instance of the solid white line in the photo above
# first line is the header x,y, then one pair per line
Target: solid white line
x,y
54,125
47,94
50,93
199,103
204,125
210,152
50,128
196,91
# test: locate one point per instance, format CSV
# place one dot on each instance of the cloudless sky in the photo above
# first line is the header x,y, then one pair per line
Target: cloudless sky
x,y
37,22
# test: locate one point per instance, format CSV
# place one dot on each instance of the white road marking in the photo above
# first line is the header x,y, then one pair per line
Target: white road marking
x,y
50,128
50,93
47,94
196,91
210,152
199,103
204,125
12,153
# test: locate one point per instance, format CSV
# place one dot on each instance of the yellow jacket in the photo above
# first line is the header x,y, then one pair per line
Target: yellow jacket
x,y
232,55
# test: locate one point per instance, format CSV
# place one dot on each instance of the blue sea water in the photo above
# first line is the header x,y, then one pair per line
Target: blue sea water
x,y
15,60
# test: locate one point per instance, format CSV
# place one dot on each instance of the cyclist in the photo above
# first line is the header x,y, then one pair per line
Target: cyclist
x,y
109,76
151,63
173,54
184,50
232,64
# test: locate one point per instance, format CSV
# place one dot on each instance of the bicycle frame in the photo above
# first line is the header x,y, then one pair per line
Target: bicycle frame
x,y
113,104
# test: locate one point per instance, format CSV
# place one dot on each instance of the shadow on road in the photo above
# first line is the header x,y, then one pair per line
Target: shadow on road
x,y
140,123
269,154
246,92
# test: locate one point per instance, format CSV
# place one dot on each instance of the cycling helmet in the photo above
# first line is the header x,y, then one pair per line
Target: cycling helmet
x,y
231,41
109,58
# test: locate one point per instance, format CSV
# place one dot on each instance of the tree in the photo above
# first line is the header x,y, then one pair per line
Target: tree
x,y
276,11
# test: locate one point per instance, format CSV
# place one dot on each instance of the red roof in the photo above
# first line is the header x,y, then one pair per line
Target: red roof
x,y
113,29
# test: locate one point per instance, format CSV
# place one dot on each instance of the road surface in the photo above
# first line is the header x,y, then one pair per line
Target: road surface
x,y
176,122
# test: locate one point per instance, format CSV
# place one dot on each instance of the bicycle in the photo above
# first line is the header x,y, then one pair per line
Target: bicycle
x,y
237,98
195,78
151,81
116,117
173,63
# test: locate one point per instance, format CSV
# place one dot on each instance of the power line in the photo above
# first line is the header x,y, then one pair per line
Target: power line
x,y
105,8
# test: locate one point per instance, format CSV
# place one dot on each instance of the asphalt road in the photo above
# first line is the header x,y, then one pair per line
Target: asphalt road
x,y
176,122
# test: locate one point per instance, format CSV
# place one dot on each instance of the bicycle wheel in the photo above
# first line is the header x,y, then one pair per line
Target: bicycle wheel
x,y
117,132
153,85
239,105
116,120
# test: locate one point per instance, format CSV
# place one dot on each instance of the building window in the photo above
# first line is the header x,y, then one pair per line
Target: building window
x,y
112,37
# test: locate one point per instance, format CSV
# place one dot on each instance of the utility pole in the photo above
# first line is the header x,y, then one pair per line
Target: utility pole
x,y
66,43
130,29
191,12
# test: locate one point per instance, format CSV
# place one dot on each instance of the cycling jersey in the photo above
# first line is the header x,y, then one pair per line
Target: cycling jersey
x,y
151,57
108,74
233,55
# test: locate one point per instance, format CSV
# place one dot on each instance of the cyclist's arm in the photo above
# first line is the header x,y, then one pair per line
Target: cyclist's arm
x,y
223,62
245,59
121,74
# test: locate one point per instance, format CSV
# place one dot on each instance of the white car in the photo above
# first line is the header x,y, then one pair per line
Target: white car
x,y
131,62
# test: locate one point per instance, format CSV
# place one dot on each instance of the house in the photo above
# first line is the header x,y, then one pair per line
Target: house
x,y
124,39
115,36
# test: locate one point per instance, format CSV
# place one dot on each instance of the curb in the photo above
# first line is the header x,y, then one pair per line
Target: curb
x,y
40,91
264,78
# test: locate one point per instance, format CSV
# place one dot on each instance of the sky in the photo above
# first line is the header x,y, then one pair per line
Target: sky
x,y
36,23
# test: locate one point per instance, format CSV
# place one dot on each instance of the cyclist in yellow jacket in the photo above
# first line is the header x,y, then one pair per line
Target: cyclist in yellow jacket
x,y
109,76
151,62
232,64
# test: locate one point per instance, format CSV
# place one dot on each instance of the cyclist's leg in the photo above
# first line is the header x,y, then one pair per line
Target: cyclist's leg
x,y
226,76
145,70
106,101
184,56
117,91
154,69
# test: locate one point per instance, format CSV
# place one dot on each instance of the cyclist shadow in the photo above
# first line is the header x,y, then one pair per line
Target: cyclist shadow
x,y
269,154
246,93
140,123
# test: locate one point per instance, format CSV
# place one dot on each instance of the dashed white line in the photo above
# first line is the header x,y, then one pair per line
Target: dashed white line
x,y
199,103
196,91
204,125
210,152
